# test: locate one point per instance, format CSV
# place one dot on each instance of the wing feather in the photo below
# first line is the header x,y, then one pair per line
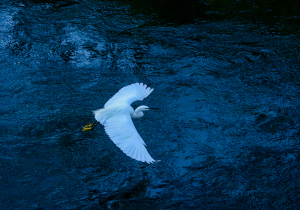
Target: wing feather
x,y
122,132
128,94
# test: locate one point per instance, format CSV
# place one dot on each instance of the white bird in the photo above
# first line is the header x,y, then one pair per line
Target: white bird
x,y
116,118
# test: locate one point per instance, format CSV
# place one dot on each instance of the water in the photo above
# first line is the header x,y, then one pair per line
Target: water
x,y
227,132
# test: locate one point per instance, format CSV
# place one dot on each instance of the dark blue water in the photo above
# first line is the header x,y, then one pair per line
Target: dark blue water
x,y
227,132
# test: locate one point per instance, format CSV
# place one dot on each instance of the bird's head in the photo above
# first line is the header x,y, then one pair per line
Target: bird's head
x,y
145,108
139,112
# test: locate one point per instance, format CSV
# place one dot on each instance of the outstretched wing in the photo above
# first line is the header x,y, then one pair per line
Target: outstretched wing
x,y
122,132
128,94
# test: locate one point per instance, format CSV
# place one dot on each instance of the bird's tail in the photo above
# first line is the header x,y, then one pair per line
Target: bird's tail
x,y
101,115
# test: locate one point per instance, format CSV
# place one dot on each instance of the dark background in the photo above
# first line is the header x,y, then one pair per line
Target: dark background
x,y
226,79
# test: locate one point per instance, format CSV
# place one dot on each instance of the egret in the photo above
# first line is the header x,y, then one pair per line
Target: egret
x,y
116,119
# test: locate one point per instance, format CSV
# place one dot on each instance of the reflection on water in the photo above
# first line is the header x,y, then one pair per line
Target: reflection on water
x,y
226,133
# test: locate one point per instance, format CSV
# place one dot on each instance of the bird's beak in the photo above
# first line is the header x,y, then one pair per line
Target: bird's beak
x,y
153,108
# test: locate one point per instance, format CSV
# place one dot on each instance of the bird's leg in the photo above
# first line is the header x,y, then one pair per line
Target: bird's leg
x,y
94,124
90,126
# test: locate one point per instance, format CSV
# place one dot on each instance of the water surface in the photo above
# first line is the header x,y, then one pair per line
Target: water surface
x,y
227,132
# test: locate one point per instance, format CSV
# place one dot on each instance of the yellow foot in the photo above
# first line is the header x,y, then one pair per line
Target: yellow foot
x,y
86,128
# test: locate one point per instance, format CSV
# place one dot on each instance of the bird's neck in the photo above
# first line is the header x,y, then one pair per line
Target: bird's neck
x,y
137,113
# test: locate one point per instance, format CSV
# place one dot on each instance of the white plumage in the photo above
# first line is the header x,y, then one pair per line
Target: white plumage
x,y
116,118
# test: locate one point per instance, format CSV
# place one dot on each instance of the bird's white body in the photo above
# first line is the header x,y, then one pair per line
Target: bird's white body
x,y
116,118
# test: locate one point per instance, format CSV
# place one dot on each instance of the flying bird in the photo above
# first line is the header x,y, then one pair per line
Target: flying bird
x,y
116,119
